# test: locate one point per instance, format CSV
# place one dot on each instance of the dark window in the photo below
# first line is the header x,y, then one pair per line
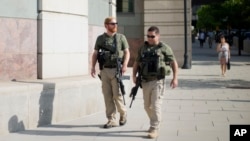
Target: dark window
x,y
125,6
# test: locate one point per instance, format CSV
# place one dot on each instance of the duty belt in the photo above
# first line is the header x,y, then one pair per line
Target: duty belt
x,y
152,78
109,66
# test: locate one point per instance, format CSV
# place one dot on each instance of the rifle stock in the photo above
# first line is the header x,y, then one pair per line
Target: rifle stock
x,y
134,90
133,94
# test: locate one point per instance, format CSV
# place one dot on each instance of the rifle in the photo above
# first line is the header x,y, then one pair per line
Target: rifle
x,y
119,77
135,88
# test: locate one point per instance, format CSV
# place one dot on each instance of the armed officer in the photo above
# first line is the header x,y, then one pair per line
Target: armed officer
x,y
110,48
154,61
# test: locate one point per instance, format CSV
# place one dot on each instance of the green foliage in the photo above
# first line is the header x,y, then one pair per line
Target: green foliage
x,y
229,14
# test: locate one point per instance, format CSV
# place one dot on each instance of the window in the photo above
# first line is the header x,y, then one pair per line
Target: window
x,y
125,6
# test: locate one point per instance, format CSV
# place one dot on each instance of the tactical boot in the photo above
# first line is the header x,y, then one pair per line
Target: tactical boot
x,y
123,119
153,134
110,124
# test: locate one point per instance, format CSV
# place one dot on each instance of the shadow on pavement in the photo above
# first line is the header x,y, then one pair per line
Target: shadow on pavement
x,y
72,126
103,133
208,84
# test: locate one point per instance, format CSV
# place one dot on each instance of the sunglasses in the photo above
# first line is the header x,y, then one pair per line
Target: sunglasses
x,y
113,23
151,36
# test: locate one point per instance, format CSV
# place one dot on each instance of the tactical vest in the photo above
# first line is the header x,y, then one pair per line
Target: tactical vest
x,y
112,49
153,62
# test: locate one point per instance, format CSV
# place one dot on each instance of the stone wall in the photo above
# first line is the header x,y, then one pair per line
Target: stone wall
x,y
18,39
29,104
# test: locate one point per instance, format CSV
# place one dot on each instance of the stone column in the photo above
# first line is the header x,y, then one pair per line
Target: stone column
x,y
62,38
168,15
112,8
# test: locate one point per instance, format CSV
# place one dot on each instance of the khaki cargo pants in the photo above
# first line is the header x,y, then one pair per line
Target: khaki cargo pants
x,y
153,94
111,92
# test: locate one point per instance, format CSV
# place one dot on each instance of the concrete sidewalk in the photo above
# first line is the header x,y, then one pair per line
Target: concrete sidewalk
x,y
201,108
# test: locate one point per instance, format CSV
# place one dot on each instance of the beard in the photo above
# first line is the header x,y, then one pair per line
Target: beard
x,y
112,30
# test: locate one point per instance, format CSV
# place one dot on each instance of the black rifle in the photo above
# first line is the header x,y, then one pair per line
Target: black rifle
x,y
119,77
135,88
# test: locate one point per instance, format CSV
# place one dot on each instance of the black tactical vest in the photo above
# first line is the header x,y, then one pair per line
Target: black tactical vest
x,y
111,49
153,61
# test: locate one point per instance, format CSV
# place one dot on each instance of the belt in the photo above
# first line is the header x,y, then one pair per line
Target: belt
x,y
147,79
109,66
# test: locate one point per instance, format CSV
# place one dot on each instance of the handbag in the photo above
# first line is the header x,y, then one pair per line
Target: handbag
x,y
228,64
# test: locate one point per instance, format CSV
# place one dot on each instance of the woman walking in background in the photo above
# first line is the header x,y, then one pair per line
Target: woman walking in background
x,y
223,50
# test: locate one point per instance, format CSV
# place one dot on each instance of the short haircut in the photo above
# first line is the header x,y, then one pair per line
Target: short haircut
x,y
154,29
108,20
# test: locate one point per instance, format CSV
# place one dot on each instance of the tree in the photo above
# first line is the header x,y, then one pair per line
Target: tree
x,y
230,13
226,15
207,16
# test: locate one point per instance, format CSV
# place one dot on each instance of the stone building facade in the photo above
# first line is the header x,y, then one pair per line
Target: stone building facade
x,y
55,38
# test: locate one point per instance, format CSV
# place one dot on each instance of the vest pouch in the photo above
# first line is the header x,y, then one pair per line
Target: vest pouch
x,y
148,71
151,67
107,57
113,58
165,70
